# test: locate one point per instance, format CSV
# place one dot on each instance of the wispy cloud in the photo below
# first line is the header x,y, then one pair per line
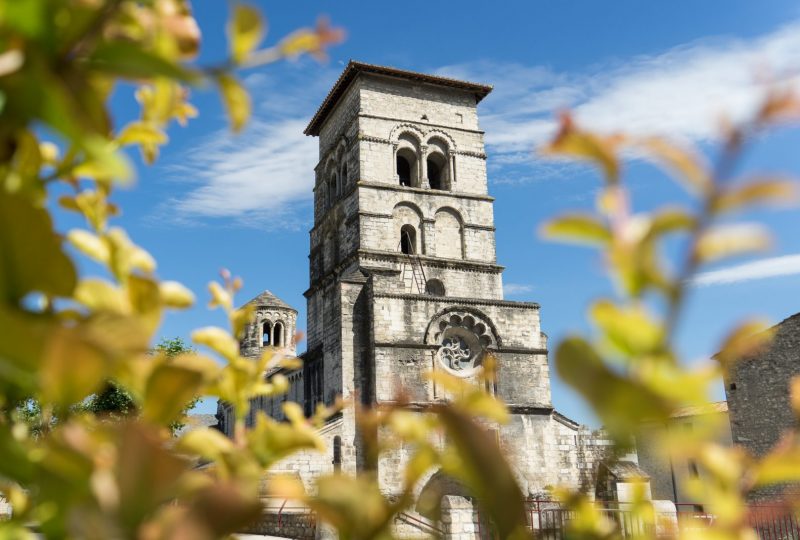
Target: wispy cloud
x,y
682,93
786,265
262,176
514,289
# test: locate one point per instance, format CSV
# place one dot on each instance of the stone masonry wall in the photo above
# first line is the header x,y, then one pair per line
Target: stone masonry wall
x,y
757,390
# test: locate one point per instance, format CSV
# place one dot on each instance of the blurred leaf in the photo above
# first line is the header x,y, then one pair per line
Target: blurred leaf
x,y
236,100
175,295
100,295
245,31
669,220
72,367
354,505
580,228
757,191
313,41
747,340
170,388
90,244
130,60
620,402
31,256
631,330
686,166
485,472
271,441
218,340
794,395
731,240
780,466
573,142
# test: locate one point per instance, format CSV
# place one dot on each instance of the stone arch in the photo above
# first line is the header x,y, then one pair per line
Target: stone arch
x,y
266,333
405,128
489,330
437,486
408,239
435,287
407,214
443,135
278,334
407,159
448,233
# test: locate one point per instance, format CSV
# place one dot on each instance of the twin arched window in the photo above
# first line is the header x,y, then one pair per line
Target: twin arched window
x,y
272,335
432,170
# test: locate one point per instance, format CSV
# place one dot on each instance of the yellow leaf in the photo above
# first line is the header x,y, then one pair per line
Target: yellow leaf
x,y
219,296
580,228
208,443
90,244
245,31
236,100
746,340
731,240
31,254
218,340
630,329
794,395
573,142
780,466
101,295
175,295
687,166
169,389
72,367
758,191
141,133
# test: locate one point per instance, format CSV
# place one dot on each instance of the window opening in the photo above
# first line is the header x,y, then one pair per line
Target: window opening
x,y
434,174
404,171
408,240
266,330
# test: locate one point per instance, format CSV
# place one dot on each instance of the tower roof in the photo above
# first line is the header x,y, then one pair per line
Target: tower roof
x,y
267,299
355,68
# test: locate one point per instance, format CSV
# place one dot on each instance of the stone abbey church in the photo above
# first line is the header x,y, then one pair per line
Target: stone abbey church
x,y
404,280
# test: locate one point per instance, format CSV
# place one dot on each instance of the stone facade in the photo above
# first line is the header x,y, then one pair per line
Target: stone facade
x,y
757,390
668,479
404,279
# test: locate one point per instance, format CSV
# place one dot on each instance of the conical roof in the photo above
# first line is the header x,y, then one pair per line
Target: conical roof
x,y
267,299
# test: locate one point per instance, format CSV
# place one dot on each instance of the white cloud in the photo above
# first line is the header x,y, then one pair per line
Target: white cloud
x,y
261,176
265,173
514,289
682,93
786,265
252,178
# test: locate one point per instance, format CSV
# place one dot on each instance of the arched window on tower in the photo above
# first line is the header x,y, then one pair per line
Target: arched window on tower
x,y
408,240
437,171
266,333
277,333
344,179
333,189
434,287
403,170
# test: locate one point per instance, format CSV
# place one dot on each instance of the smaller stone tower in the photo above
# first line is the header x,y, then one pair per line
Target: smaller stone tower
x,y
273,325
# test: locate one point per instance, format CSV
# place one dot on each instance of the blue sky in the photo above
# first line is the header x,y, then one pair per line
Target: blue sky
x,y
244,202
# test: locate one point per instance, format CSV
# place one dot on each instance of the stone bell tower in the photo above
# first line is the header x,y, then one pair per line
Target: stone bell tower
x,y
404,278
404,281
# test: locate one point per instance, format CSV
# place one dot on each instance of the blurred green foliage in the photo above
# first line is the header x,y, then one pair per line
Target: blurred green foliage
x,y
64,336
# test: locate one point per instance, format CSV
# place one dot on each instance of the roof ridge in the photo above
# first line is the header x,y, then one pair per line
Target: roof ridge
x,y
267,299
